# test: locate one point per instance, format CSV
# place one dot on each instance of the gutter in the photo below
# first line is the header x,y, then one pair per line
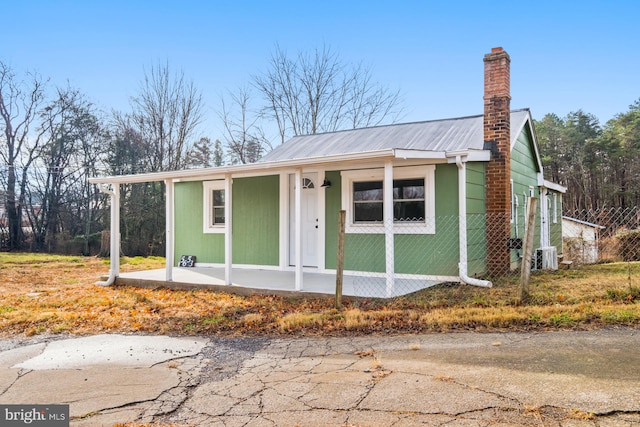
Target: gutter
x,y
462,211
114,241
262,167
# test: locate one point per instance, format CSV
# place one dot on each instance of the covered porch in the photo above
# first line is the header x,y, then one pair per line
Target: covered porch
x,y
272,282
289,272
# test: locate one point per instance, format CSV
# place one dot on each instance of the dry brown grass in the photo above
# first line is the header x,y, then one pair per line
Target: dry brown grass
x,y
55,294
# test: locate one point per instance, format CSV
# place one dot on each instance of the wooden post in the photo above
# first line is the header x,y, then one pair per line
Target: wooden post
x,y
525,272
340,259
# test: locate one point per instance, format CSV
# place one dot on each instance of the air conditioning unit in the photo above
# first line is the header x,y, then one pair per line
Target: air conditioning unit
x,y
545,259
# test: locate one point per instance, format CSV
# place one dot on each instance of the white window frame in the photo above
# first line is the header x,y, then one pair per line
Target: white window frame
x,y
208,188
555,208
516,211
428,226
514,204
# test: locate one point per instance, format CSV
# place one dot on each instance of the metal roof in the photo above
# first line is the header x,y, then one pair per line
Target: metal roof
x,y
431,139
461,133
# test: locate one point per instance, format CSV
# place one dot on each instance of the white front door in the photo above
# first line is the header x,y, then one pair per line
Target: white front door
x,y
309,220
545,235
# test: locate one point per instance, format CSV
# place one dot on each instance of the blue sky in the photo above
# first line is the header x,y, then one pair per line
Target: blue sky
x,y
565,55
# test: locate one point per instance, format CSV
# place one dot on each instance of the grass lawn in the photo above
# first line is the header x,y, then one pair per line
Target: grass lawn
x,y
42,293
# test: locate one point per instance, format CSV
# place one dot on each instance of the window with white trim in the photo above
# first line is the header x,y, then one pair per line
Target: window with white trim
x,y
214,206
413,200
555,208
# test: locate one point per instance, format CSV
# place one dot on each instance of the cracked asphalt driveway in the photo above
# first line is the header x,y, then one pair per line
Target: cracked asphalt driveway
x,y
554,378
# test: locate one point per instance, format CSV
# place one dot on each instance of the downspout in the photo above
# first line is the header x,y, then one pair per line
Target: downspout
x,y
462,209
114,240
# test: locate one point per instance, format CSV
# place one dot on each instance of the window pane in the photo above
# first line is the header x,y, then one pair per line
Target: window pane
x,y
218,197
367,190
218,215
218,207
408,211
408,189
367,212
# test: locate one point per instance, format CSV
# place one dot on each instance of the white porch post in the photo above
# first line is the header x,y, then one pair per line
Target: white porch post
x,y
388,226
298,230
228,226
169,226
115,231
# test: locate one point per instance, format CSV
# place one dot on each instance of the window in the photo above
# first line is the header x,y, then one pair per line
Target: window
x,y
555,208
307,184
367,201
217,208
408,200
214,206
413,200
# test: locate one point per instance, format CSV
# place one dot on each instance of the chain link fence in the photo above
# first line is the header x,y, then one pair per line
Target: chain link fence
x,y
393,259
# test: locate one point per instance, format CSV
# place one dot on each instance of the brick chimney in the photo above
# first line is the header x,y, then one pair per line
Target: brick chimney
x,y
497,137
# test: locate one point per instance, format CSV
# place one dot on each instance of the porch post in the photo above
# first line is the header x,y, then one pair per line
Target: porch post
x,y
388,226
298,231
228,226
169,226
115,231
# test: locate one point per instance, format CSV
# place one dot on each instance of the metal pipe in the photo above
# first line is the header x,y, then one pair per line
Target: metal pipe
x,y
114,241
462,211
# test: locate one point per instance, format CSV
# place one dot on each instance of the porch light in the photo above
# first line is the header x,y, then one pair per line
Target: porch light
x,y
326,183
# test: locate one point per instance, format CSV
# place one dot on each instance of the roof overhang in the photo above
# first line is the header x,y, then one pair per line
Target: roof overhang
x,y
550,185
260,167
585,223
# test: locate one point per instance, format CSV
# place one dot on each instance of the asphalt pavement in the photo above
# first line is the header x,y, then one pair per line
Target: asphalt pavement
x,y
578,378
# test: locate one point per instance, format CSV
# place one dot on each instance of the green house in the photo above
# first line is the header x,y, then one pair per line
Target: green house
x,y
433,201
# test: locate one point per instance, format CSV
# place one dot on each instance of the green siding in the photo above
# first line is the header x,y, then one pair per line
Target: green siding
x,y
332,208
189,236
256,210
414,253
476,210
434,253
364,252
524,170
255,223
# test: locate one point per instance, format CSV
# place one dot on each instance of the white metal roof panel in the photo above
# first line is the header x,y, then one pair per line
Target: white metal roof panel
x,y
437,135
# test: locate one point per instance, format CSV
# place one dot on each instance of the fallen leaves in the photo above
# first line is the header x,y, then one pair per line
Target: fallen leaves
x,y
42,293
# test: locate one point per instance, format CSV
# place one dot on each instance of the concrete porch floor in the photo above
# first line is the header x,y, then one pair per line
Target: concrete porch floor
x,y
271,282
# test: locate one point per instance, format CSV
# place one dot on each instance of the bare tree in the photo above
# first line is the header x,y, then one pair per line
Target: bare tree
x,y
243,135
318,93
19,104
60,196
155,137
167,111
